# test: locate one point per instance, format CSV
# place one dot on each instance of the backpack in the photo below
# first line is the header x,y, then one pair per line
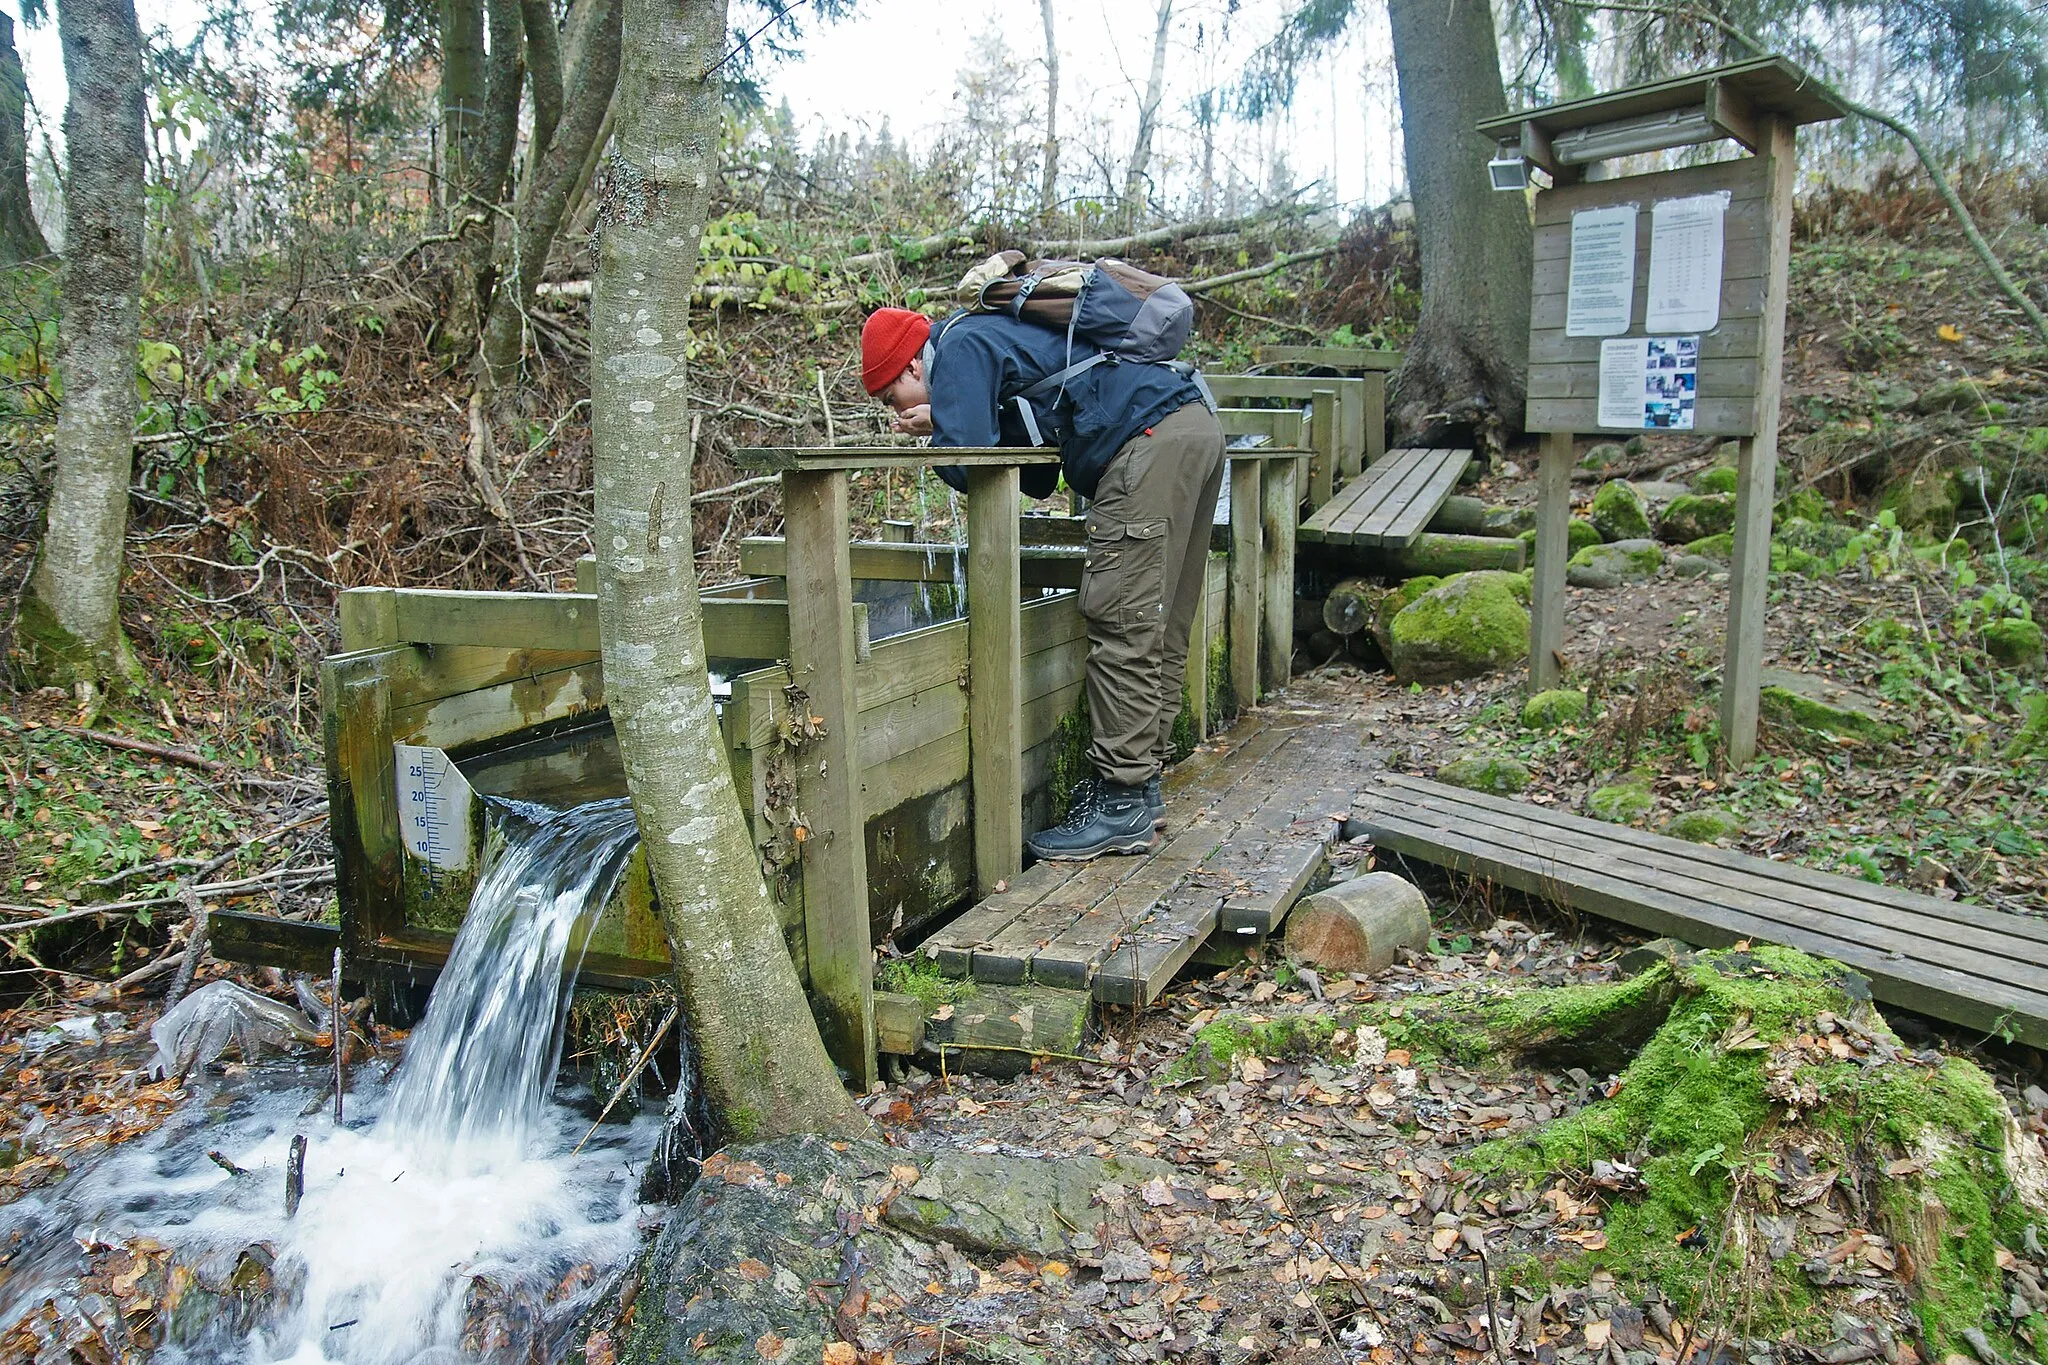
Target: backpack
x,y
1111,307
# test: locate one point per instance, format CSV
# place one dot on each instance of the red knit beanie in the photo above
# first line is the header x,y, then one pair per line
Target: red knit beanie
x,y
889,341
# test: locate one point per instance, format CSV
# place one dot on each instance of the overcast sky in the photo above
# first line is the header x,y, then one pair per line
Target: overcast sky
x,y
900,59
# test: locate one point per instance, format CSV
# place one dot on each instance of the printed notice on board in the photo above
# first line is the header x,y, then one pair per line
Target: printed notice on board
x,y
1685,263
1650,383
1602,290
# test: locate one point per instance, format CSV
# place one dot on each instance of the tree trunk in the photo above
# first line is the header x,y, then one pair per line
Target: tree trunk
x,y
1135,177
462,98
544,199
496,137
71,625
1049,175
764,1068
544,76
20,237
1465,369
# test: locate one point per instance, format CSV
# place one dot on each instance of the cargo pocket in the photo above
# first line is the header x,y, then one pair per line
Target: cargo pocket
x,y
1124,581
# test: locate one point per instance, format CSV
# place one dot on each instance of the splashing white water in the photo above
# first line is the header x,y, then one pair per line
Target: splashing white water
x,y
449,1218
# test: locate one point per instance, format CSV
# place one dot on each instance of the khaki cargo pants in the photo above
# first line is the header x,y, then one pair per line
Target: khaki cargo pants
x,y
1148,552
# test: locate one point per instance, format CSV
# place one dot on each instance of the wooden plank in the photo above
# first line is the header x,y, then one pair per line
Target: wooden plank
x,y
268,941
1971,1002
1197,668
1734,339
953,947
1794,880
1279,512
1042,566
1322,439
834,855
1756,471
1383,483
1553,548
1247,580
1969,949
1375,418
567,621
899,1024
995,663
1711,416
1742,178
484,713
369,619
362,794
1722,378
1774,84
820,459
1407,526
1370,531
1742,296
1269,858
1154,951
1743,228
1330,357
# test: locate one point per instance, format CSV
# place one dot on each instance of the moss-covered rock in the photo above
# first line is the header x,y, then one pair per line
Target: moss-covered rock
x,y
1496,773
1704,826
1817,710
1771,1072
1618,512
1953,395
2014,643
1469,624
1718,478
1611,565
1221,1042
1696,516
1803,504
1721,547
1391,604
1925,500
1560,706
1578,534
1622,803
1499,519
1604,455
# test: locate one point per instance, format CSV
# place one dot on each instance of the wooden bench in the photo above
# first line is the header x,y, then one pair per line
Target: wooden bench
x,y
1984,969
1388,505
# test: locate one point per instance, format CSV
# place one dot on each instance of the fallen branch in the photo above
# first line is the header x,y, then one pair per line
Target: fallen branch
x,y
299,878
733,490
1168,235
170,754
922,249
1279,263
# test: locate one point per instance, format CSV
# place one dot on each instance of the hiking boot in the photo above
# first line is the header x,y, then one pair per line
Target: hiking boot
x,y
1155,801
1104,818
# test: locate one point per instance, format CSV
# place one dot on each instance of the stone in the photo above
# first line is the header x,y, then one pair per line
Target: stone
x,y
1704,826
1644,956
1926,500
1819,709
1891,396
1500,519
2015,644
1389,606
1953,395
1719,478
994,1031
1696,516
1494,773
1623,803
1002,1205
1611,565
1658,492
1605,455
1578,534
1721,547
1359,925
1618,512
1557,707
1468,625
1690,566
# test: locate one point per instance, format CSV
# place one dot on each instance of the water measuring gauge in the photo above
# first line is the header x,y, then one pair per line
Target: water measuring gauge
x,y
434,801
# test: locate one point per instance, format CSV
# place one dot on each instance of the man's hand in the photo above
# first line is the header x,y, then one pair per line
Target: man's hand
x,y
914,421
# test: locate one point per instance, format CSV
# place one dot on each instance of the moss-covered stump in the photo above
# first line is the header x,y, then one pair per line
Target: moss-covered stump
x,y
1618,512
1497,773
1469,624
1696,516
1770,1144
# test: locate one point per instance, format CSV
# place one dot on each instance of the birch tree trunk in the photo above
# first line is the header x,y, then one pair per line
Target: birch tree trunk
x,y
1465,368
21,239
462,99
71,626
1049,172
1135,176
765,1070
543,200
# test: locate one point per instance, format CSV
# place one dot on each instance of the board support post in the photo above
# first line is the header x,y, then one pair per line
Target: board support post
x,y
1279,510
1247,579
1553,544
821,649
995,653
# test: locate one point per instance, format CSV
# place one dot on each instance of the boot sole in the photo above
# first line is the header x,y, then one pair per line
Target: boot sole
x,y
1122,843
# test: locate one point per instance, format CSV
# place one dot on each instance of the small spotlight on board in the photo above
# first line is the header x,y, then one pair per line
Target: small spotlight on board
x,y
1508,170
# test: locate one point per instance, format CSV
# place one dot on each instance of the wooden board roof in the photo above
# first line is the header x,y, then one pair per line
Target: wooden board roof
x,y
1774,85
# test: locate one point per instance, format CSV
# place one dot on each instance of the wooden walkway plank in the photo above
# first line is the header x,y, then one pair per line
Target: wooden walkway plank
x,y
1440,824
1427,473
1141,966
1406,528
1357,499
953,946
1972,951
1794,879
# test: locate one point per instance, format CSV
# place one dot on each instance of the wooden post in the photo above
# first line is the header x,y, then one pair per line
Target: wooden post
x,y
1553,543
821,652
1279,509
369,618
1324,423
1247,578
1756,472
362,796
995,653
1353,412
1198,662
1375,416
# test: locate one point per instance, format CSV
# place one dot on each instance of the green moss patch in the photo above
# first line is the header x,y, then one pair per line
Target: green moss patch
x,y
1465,626
1704,826
1623,803
2014,643
1220,1042
1494,773
921,979
1551,710
1696,516
1718,479
1618,512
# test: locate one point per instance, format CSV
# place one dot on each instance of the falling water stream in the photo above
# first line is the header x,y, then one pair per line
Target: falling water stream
x,y
449,1218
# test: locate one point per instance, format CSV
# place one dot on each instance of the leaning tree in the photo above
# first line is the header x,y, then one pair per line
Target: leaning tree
x,y
764,1066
